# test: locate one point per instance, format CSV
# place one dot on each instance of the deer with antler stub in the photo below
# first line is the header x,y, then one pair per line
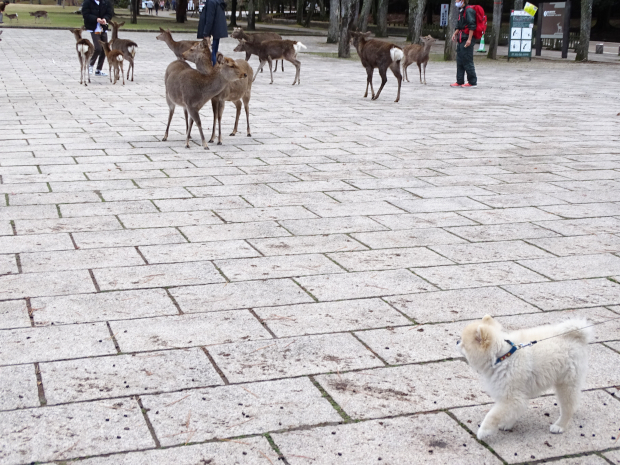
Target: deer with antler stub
x,y
377,54
178,47
128,47
191,89
419,54
85,50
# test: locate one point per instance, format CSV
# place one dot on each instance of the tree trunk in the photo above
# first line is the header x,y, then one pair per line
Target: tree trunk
x,y
311,9
334,21
416,14
344,42
233,14
449,50
300,11
322,9
362,23
497,22
584,35
251,16
518,5
181,11
135,11
382,12
261,10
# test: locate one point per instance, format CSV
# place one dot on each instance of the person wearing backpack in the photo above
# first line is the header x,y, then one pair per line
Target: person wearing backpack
x,y
466,27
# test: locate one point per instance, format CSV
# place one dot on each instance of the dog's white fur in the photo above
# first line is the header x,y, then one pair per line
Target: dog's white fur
x,y
560,363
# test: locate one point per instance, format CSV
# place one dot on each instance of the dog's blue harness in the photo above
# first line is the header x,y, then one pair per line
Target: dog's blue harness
x,y
513,348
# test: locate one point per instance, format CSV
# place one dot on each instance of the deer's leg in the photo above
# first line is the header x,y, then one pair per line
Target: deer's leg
x,y
420,69
270,68
425,63
282,65
214,107
246,104
383,74
395,67
405,66
220,112
171,106
297,65
123,73
110,70
260,68
238,105
369,71
193,114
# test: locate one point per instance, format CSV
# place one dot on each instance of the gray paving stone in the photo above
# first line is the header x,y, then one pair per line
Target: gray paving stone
x,y
147,193
231,411
370,195
294,356
197,251
584,210
48,343
490,252
178,274
439,205
105,306
75,430
125,375
311,186
15,286
251,451
613,456
600,360
8,264
18,387
342,225
245,215
277,267
102,223
179,205
423,220
583,460
169,219
354,209
79,259
171,332
35,243
580,245
363,284
53,198
123,237
386,259
28,212
220,232
5,228
306,244
246,190
14,314
392,391
107,208
583,226
501,232
273,199
452,191
598,415
462,304
405,238
83,185
421,439
509,215
293,320
575,267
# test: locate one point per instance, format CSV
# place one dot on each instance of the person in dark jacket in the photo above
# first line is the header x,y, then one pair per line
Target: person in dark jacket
x,y
213,23
463,36
97,14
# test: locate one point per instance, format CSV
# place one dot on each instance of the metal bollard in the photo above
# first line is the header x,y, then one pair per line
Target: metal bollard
x,y
599,49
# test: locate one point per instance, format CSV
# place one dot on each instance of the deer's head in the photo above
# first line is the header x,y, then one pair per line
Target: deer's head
x,y
428,40
240,47
200,51
229,70
358,37
163,35
237,33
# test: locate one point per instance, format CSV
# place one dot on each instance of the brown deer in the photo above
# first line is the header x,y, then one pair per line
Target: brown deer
x,y
274,50
177,47
128,47
418,53
256,37
12,17
39,14
235,91
85,50
377,54
191,89
115,62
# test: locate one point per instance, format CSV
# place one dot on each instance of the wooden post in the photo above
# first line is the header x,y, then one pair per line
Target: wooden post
x,y
449,49
334,20
540,14
382,11
584,34
497,23
566,30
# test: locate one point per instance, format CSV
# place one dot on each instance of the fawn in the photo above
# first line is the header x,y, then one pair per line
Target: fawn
x,y
177,47
128,47
274,50
85,50
115,61
416,53
256,37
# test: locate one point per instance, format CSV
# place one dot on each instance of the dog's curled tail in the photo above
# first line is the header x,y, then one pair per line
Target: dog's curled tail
x,y
577,330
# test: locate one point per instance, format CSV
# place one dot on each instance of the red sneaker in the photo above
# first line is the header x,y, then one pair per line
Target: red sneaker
x,y
469,85
456,84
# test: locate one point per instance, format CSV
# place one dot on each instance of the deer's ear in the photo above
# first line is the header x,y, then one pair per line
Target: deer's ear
x,y
121,24
220,58
161,30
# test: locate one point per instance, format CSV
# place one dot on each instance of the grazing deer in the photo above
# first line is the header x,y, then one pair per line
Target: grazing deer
x,y
378,54
115,61
12,17
274,50
235,91
179,47
416,53
39,14
191,89
128,47
256,37
85,50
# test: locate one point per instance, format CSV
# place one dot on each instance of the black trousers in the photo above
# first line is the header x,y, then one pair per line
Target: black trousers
x,y
99,53
465,63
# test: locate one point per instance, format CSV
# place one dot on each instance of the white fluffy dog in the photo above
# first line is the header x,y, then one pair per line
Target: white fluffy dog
x,y
560,363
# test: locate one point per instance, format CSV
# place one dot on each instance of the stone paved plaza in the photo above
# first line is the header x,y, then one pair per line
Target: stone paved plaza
x,y
295,296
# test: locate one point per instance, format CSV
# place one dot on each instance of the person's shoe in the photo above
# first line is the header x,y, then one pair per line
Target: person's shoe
x,y
90,70
468,85
456,84
100,73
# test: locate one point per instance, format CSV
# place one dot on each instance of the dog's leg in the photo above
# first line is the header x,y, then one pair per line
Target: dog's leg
x,y
502,413
568,397
512,414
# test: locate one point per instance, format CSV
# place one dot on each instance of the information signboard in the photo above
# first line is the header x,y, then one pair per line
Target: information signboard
x,y
521,27
443,18
553,20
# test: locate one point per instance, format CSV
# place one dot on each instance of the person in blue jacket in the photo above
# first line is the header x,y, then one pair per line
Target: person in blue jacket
x,y
213,23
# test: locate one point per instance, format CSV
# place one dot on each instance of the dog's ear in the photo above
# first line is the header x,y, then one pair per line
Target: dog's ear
x,y
483,336
487,320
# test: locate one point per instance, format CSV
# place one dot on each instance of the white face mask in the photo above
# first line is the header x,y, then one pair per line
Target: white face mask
x,y
459,4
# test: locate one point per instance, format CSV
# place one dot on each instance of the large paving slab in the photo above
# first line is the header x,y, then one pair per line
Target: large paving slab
x,y
318,272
